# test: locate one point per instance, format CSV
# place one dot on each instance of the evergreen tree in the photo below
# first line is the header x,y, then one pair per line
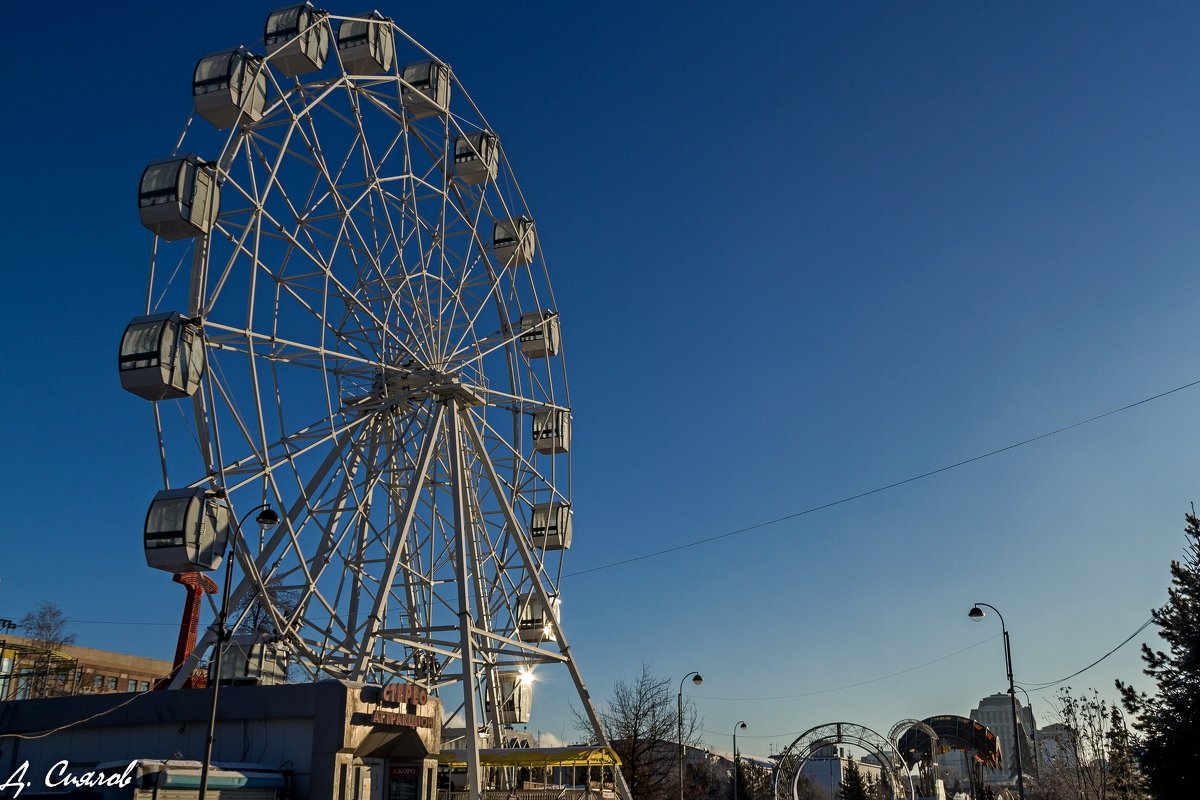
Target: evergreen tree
x,y
754,782
853,786
875,788
1125,780
806,791
1169,721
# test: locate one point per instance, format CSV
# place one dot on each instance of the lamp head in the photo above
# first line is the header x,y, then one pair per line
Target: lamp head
x,y
975,613
742,725
267,518
696,679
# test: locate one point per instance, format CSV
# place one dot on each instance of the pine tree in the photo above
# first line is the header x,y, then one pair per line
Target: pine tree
x,y
1169,720
853,787
1125,780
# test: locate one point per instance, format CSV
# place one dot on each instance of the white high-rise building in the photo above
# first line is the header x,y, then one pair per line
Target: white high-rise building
x,y
995,712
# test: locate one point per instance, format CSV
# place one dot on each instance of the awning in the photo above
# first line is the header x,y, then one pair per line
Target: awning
x,y
535,757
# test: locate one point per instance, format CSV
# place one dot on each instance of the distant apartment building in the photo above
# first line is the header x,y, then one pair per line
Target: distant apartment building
x,y
995,712
1056,745
27,670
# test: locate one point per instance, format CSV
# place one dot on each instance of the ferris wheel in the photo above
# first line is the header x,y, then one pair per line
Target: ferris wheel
x,y
349,319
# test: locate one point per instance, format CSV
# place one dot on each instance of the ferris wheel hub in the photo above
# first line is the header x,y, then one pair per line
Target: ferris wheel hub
x,y
454,387
415,386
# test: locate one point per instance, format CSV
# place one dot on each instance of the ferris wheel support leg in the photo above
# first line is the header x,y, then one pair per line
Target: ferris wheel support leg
x,y
483,620
515,526
466,656
379,608
360,525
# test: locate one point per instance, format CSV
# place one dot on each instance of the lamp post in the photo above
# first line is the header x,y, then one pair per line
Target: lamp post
x,y
977,613
742,725
697,679
267,518
1037,753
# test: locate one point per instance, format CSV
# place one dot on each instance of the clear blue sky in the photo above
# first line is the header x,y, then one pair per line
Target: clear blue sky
x,y
801,251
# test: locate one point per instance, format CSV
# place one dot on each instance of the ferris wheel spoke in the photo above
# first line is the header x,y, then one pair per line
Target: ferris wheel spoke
x,y
509,453
533,568
519,403
406,204
493,294
264,558
450,275
269,347
418,322
251,441
253,467
293,287
331,544
332,509
261,192
471,312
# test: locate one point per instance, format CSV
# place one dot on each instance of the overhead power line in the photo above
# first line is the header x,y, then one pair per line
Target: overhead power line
x,y
1027,687
1037,687
759,525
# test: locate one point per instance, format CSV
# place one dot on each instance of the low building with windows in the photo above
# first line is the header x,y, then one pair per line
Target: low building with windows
x,y
332,739
28,670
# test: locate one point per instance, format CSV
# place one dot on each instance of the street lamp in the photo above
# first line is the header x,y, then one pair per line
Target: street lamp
x,y
1037,753
696,679
741,725
267,518
977,613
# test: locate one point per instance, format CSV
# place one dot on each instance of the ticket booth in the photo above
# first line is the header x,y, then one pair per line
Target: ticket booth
x,y
411,781
397,759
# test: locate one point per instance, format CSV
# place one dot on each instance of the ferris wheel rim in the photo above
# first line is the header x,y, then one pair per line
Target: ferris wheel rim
x,y
229,473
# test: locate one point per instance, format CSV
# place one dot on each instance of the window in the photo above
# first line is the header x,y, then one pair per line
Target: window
x,y
131,686
113,682
98,682
144,686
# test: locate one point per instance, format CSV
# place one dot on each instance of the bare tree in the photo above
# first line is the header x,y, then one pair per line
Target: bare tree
x,y
46,627
44,671
1086,755
255,615
642,721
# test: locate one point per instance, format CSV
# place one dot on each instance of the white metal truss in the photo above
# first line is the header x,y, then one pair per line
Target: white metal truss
x,y
365,376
